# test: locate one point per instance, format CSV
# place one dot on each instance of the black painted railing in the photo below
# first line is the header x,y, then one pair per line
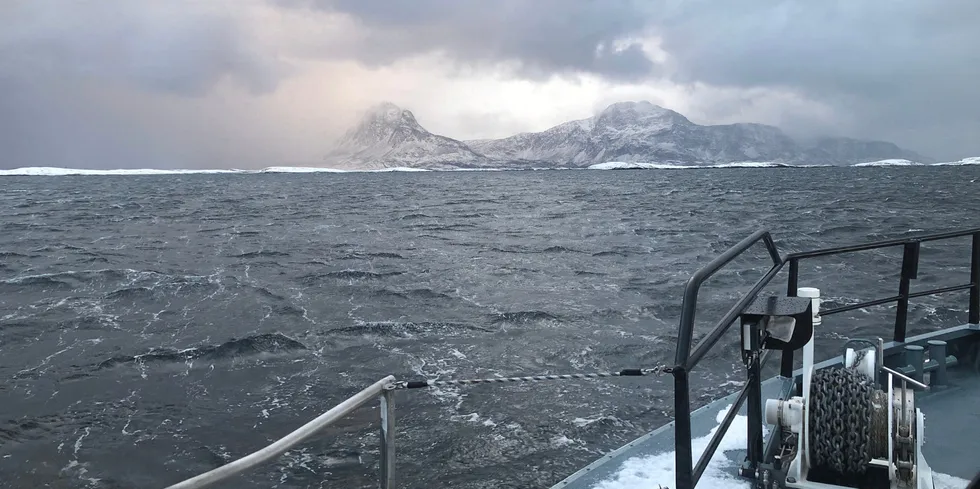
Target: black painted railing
x,y
688,473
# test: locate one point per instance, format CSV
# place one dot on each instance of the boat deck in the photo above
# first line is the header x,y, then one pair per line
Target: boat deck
x,y
952,416
660,442
952,434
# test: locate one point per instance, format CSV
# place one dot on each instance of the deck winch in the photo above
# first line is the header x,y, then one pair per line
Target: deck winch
x,y
856,425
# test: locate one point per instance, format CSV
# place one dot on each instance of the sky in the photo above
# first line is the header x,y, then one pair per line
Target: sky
x,y
256,83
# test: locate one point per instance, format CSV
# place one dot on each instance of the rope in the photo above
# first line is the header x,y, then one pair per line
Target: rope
x,y
628,372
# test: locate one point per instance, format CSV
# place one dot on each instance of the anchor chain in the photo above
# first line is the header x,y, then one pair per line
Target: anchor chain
x,y
629,372
840,419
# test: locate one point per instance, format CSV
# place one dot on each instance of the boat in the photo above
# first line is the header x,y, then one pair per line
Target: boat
x,y
901,413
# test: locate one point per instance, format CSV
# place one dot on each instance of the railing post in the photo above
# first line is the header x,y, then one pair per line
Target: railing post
x,y
683,461
910,267
387,439
975,280
793,282
792,286
754,408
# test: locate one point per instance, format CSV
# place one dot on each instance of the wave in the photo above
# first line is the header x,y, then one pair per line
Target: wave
x,y
250,345
416,294
523,317
66,278
623,165
408,328
259,254
348,274
358,255
129,292
559,249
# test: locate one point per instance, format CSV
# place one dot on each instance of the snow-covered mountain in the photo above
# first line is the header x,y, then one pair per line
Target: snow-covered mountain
x,y
642,132
624,132
388,136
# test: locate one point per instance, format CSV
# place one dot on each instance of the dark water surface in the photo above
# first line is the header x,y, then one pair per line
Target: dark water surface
x,y
154,327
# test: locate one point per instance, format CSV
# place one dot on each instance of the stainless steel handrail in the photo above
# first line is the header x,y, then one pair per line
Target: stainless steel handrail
x,y
301,434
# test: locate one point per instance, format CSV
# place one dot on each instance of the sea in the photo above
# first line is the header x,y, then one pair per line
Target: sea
x,y
153,327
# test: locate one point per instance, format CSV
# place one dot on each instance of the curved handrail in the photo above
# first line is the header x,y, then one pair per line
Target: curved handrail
x,y
688,307
283,444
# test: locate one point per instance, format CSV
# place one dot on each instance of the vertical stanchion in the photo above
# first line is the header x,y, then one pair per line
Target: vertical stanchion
x,y
792,286
975,280
388,439
910,267
684,462
754,408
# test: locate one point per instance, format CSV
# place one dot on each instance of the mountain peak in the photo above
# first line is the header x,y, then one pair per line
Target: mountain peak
x,y
640,107
641,112
388,113
388,135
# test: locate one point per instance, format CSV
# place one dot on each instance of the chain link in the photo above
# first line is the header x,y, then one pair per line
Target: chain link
x,y
840,408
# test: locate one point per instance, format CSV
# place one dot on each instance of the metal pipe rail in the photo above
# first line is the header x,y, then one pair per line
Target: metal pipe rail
x,y
301,434
910,271
687,474
385,388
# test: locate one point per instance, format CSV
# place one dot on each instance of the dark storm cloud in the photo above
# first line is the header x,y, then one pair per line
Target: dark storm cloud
x,y
543,37
899,70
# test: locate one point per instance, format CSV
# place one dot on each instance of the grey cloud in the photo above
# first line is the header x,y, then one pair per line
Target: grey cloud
x,y
179,47
901,71
542,37
81,81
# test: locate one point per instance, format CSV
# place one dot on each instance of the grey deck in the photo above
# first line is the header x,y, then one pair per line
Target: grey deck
x,y
661,440
952,416
952,422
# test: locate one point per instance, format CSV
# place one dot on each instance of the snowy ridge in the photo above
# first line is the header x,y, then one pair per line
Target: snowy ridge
x,y
892,162
611,165
390,137
965,161
52,171
631,132
624,165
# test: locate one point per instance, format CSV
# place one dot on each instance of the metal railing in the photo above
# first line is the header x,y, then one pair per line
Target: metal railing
x,y
687,473
380,388
385,389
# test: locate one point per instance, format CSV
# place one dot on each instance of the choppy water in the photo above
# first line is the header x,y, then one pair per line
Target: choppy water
x,y
155,327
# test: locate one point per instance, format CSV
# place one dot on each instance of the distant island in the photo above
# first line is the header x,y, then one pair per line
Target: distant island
x,y
623,135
